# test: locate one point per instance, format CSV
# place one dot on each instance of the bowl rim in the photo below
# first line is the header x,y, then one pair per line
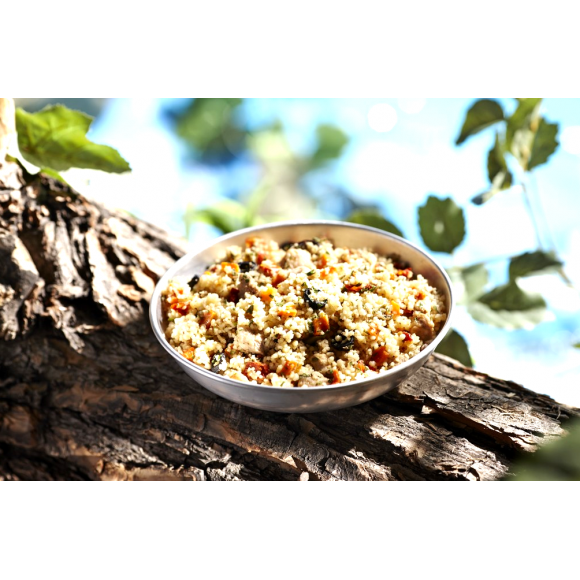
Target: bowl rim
x,y
422,356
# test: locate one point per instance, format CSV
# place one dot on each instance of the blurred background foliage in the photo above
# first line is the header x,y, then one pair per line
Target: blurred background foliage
x,y
266,169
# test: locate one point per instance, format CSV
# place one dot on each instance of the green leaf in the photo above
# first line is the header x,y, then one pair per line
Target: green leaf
x,y
475,279
521,118
532,263
331,143
520,129
53,174
442,224
55,138
209,127
509,307
227,216
545,144
512,298
454,346
373,219
482,114
577,345
557,460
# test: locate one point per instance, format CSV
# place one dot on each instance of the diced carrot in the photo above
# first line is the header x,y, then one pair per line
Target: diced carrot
x,y
396,308
232,265
207,317
260,258
267,294
324,274
323,261
420,295
250,242
361,365
289,367
188,354
288,311
321,325
335,377
380,356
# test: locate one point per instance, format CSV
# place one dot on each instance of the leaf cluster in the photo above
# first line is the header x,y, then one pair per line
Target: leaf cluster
x,y
525,135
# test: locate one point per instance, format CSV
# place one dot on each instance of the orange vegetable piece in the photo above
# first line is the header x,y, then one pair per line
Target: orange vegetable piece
x,y
323,261
181,307
396,308
207,317
267,294
335,378
324,274
262,369
232,265
188,354
408,337
353,287
289,367
380,356
361,365
288,311
321,325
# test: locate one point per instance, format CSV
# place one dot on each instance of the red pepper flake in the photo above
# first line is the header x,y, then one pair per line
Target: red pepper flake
x,y
408,313
357,287
181,307
262,369
335,378
408,337
260,258
274,273
278,279
380,356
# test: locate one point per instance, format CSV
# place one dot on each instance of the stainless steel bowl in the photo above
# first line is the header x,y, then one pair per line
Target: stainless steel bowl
x,y
312,399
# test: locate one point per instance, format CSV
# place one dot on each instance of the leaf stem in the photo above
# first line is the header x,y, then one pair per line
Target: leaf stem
x,y
532,214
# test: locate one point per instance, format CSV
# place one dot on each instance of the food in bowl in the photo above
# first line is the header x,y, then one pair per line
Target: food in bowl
x,y
302,314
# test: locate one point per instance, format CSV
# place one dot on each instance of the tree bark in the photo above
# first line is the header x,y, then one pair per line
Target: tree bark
x,y
87,393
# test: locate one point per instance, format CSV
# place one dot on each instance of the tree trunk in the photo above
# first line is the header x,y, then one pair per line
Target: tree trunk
x,y
87,393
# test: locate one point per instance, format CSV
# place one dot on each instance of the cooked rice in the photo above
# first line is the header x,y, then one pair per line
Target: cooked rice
x,y
304,315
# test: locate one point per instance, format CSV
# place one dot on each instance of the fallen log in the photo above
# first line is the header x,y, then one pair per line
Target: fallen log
x,y
87,393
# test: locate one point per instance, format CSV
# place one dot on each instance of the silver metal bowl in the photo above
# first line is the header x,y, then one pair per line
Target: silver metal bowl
x,y
311,399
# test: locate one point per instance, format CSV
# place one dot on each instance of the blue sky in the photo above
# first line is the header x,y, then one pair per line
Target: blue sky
x,y
413,156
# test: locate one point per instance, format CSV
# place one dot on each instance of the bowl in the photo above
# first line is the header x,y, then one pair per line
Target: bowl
x,y
307,399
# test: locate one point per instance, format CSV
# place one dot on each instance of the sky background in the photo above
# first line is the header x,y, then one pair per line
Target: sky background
x,y
401,150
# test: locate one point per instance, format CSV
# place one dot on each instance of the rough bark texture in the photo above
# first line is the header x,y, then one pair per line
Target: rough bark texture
x,y
87,393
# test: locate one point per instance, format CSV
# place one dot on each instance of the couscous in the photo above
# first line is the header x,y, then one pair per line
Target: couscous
x,y
305,314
